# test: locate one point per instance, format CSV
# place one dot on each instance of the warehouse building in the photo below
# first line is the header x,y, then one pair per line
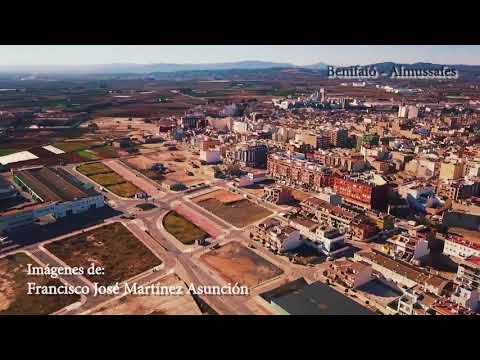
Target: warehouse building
x,y
300,298
55,192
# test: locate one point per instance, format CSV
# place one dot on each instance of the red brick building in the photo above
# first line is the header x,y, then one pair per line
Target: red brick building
x,y
362,193
299,172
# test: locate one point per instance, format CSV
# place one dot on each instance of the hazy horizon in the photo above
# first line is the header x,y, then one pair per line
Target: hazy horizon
x,y
299,55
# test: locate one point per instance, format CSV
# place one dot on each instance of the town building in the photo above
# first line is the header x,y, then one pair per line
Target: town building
x,y
339,137
192,121
459,189
451,171
408,247
278,195
250,154
210,156
467,283
349,273
460,247
276,236
417,301
402,273
299,173
370,192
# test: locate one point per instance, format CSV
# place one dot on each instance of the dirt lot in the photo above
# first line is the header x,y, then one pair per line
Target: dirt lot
x,y
221,195
176,162
13,289
152,304
239,213
111,246
300,195
182,229
236,263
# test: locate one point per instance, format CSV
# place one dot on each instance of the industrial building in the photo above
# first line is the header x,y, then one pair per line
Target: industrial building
x,y
300,298
54,192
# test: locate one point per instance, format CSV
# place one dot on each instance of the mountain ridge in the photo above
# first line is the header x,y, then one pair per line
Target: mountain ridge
x,y
145,69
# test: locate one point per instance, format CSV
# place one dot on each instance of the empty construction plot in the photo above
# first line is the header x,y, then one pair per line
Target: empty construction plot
x,y
154,304
112,247
236,263
14,299
232,208
176,164
182,229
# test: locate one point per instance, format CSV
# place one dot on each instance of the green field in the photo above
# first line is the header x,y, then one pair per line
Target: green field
x,y
88,154
93,169
186,232
146,206
107,179
104,176
112,247
106,152
124,189
72,146
4,152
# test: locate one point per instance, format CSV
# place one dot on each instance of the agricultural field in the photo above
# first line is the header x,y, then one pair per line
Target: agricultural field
x,y
126,189
112,247
88,154
182,229
14,299
105,152
106,177
232,208
73,146
237,263
93,169
4,152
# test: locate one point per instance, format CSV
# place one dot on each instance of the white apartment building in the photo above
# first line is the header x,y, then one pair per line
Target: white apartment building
x,y
460,248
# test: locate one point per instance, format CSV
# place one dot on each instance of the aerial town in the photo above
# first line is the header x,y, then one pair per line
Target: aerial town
x,y
252,192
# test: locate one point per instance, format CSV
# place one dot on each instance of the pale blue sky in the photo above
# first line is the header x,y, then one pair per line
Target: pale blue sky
x,y
296,54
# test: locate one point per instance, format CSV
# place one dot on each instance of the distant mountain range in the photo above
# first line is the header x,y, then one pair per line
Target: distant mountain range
x,y
150,68
165,68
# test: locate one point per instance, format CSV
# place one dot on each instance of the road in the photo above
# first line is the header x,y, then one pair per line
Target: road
x,y
176,257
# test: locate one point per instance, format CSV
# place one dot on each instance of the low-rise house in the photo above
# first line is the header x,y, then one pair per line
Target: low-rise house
x,y
408,248
402,273
349,273
416,301
276,236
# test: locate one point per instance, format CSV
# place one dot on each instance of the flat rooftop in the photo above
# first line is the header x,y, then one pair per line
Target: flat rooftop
x,y
53,184
299,298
